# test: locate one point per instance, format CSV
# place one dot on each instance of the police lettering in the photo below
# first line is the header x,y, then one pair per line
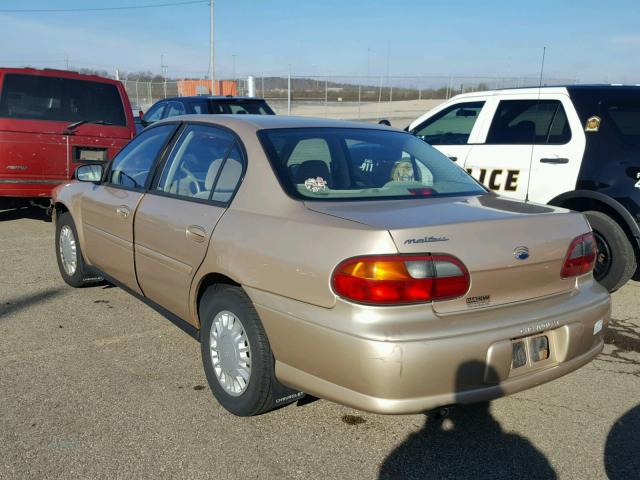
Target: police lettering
x,y
495,179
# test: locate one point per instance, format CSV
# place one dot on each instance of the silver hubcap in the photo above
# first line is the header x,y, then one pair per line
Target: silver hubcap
x,y
230,353
68,250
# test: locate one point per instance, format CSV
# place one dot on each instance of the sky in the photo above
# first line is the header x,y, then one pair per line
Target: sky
x,y
588,40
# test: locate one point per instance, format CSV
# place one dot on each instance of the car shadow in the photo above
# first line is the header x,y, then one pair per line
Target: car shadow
x,y
622,449
33,213
468,443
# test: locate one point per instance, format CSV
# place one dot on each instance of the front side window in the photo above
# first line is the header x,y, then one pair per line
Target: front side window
x,y
526,122
175,109
197,163
37,97
131,167
452,126
361,164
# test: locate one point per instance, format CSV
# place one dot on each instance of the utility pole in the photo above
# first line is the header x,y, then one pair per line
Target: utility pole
x,y
66,59
234,66
163,68
212,71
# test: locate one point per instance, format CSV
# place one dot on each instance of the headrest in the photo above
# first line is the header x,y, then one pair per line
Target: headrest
x,y
312,169
211,173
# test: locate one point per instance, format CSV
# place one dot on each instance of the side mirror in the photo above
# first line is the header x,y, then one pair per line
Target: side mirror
x,y
89,173
384,121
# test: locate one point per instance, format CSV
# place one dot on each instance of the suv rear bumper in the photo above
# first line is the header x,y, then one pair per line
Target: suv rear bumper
x,y
28,188
401,377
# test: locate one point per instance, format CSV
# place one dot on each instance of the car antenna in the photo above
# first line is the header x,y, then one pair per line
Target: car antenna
x,y
533,140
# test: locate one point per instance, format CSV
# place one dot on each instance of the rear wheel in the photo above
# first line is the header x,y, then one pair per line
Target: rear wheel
x,y
236,354
616,260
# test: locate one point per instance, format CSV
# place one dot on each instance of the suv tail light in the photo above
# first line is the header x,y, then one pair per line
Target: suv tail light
x,y
581,256
400,279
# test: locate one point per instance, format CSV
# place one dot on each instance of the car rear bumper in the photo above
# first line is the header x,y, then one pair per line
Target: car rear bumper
x,y
28,188
400,377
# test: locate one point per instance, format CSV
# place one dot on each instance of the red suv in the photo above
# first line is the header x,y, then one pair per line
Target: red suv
x,y
51,121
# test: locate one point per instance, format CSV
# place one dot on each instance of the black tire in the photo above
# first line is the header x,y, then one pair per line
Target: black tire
x,y
79,278
262,392
616,261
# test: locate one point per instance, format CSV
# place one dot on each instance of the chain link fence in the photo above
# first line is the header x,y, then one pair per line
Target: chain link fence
x,y
397,98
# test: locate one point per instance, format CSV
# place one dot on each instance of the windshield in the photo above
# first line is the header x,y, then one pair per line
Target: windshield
x,y
39,97
358,163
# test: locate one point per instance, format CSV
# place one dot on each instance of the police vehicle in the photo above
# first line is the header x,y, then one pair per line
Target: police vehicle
x,y
576,147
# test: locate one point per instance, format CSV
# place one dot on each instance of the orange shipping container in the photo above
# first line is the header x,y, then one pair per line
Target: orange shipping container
x,y
187,88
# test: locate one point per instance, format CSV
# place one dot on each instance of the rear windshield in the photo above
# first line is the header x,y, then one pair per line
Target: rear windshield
x,y
362,164
37,97
626,119
249,107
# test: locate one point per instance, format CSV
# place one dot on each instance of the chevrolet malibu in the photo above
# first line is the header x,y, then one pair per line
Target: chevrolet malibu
x,y
348,261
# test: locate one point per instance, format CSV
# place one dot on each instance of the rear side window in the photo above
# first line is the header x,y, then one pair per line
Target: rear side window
x,y
526,122
452,126
198,107
131,167
229,177
251,107
201,163
626,119
34,97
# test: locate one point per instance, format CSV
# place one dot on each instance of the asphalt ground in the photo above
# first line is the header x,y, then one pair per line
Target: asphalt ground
x,y
95,384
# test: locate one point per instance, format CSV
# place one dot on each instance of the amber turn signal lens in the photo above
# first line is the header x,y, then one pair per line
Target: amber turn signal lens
x,y
400,279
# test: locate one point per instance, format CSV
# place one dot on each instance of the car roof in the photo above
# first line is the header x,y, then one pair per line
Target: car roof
x,y
260,122
549,89
214,97
52,72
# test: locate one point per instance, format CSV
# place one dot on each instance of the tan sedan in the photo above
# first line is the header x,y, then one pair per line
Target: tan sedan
x,y
352,262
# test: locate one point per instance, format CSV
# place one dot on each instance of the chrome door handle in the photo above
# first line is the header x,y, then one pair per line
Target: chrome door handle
x,y
196,233
123,211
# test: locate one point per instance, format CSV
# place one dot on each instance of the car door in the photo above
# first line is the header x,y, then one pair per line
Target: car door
x,y
109,209
528,134
450,129
175,220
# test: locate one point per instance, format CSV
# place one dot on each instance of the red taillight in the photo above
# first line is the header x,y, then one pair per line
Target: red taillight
x,y
400,279
581,256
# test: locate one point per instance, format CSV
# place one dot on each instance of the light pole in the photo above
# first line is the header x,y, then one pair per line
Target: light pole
x,y
212,71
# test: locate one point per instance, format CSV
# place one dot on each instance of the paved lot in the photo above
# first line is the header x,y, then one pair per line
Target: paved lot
x,y
94,384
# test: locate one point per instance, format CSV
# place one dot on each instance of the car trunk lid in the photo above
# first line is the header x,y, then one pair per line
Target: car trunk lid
x,y
489,234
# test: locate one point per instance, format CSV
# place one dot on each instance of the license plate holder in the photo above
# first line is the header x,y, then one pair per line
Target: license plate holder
x,y
530,351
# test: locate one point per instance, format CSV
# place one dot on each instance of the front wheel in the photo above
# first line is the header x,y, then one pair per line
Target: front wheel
x,y
68,253
616,260
236,354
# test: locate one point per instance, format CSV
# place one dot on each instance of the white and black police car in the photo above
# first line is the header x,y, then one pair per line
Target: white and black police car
x,y
576,147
